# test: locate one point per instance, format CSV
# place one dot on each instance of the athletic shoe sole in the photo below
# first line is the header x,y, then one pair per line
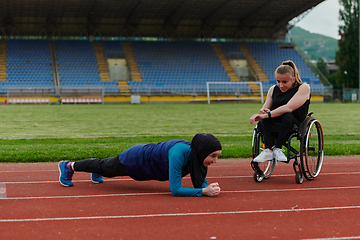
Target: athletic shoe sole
x,y
96,182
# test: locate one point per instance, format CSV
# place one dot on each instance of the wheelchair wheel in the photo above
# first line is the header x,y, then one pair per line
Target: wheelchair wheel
x,y
312,149
258,175
266,167
299,178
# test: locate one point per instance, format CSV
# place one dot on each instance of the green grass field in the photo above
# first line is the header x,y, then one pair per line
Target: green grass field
x,y
34,133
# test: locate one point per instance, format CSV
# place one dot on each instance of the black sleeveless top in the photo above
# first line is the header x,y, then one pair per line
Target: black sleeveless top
x,y
281,98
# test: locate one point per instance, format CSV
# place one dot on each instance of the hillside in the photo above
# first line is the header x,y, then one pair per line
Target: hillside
x,y
312,45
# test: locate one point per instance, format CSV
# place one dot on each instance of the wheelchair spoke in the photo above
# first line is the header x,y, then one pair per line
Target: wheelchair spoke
x,y
313,150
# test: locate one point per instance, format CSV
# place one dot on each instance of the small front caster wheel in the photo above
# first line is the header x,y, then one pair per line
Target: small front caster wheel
x,y
258,175
299,178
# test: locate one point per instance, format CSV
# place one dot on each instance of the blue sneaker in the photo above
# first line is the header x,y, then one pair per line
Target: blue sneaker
x,y
65,174
96,178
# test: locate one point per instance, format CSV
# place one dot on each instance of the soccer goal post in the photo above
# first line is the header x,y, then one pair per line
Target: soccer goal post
x,y
235,89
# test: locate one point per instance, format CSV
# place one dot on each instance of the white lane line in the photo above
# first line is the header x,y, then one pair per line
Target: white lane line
x,y
76,181
168,193
178,214
88,196
29,171
211,177
334,238
294,189
216,166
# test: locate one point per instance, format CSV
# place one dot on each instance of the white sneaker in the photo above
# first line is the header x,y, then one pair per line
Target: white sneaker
x,y
264,156
279,155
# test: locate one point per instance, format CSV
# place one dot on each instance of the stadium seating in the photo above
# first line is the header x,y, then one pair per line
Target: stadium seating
x,y
28,64
113,49
177,66
166,67
231,50
270,56
78,66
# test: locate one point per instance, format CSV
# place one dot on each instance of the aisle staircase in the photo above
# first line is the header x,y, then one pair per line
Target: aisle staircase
x,y
124,88
224,62
134,69
101,61
104,70
254,66
3,61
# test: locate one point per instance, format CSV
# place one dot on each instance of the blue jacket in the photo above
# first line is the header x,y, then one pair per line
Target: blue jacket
x,y
162,161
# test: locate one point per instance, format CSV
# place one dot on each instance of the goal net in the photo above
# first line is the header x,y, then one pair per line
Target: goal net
x,y
240,91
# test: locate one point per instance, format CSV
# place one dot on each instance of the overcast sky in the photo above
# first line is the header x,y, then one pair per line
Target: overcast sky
x,y
323,19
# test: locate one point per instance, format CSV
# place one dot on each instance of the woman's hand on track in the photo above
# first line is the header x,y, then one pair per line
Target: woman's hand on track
x,y
212,190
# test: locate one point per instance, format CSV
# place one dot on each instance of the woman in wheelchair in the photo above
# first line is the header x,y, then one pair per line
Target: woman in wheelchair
x,y
287,103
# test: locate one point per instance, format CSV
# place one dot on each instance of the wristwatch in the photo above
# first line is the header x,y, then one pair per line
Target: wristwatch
x,y
269,113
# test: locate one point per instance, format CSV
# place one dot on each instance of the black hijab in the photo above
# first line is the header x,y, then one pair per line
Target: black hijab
x,y
201,146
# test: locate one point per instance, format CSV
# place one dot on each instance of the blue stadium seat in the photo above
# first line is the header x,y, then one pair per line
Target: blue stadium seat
x,y
270,56
168,64
28,61
78,65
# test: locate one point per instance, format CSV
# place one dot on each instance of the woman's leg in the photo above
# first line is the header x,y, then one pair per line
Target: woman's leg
x,y
266,154
287,120
108,167
268,139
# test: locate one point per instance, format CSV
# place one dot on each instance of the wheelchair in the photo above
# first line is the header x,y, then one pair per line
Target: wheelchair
x,y
310,151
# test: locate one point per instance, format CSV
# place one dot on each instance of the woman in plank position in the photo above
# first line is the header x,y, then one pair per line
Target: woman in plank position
x,y
170,160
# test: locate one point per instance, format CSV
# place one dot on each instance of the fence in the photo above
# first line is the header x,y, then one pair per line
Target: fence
x,y
350,95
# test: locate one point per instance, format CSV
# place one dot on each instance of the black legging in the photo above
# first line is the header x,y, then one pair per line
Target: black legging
x,y
108,167
286,120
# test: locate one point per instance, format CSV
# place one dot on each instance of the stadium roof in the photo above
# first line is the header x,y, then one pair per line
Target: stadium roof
x,y
254,19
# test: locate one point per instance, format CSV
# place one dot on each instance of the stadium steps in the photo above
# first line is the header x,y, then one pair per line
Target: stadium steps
x,y
224,62
124,88
134,69
3,61
254,65
101,61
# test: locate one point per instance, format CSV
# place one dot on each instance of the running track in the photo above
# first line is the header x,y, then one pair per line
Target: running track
x,y
33,205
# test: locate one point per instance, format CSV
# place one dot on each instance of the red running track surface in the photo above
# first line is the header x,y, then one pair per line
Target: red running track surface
x,y
33,205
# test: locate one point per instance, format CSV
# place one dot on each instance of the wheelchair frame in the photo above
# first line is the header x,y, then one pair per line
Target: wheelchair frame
x,y
311,152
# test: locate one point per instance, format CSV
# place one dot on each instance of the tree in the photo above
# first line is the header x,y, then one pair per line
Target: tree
x,y
347,57
322,65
